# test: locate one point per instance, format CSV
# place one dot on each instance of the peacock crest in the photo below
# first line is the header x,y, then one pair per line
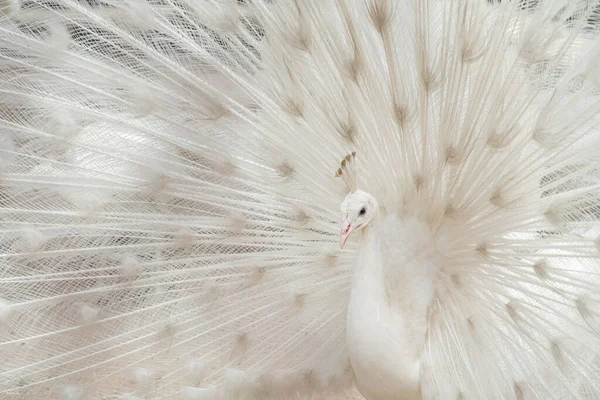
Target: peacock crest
x,y
347,171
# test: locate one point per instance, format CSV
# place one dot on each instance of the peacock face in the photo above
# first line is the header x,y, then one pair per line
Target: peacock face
x,y
358,209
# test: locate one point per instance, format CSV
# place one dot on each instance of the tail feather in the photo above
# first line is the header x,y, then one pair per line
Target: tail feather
x,y
169,210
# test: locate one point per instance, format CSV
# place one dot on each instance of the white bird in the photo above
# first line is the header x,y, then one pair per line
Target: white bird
x,y
170,222
393,286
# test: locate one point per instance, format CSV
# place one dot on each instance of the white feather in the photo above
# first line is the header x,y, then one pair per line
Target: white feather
x,y
168,201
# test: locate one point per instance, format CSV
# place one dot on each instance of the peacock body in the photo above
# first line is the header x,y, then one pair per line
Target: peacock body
x,y
170,211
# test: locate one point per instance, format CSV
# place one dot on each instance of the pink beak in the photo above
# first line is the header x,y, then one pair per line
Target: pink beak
x,y
346,232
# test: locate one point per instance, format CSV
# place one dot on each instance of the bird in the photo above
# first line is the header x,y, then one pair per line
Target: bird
x,y
304,199
385,358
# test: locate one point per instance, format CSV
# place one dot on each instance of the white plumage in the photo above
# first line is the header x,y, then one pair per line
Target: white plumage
x,y
387,318
170,215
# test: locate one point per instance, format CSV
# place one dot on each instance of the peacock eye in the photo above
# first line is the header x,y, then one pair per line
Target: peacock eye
x,y
362,211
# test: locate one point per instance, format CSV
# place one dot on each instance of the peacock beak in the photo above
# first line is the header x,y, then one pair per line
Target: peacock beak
x,y
347,229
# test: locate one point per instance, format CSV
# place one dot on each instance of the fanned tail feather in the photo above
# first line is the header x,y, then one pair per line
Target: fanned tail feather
x,y
169,210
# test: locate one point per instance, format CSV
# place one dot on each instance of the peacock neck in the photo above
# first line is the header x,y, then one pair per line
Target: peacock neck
x,y
368,274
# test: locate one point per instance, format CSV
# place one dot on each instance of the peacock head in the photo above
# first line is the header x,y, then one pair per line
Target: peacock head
x,y
359,207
